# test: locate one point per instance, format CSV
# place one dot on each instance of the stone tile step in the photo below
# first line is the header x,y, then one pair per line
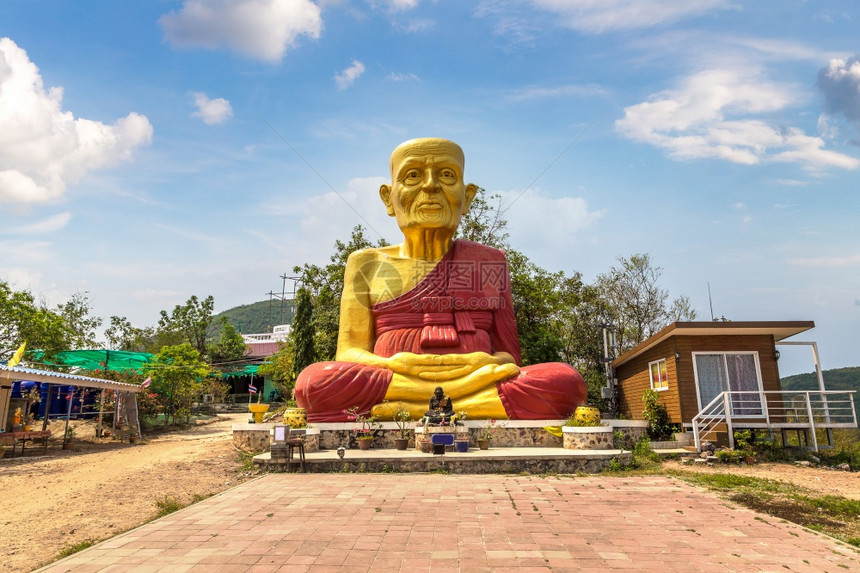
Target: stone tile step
x,y
475,461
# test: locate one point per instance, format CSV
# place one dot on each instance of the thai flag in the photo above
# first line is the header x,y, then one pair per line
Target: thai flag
x,y
146,382
252,389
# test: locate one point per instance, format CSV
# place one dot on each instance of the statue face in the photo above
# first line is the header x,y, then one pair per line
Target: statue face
x,y
427,188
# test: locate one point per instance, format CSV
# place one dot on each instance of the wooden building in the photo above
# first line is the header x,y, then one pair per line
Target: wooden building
x,y
691,363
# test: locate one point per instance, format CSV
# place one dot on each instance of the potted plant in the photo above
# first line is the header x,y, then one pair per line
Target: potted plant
x,y
587,415
486,433
294,416
132,434
365,429
402,417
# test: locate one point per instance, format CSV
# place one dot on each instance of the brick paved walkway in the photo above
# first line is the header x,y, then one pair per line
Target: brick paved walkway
x,y
432,522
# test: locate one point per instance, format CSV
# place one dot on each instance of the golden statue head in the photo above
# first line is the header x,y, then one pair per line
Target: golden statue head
x,y
427,187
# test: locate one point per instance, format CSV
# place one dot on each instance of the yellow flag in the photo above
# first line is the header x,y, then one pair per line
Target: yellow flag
x,y
16,358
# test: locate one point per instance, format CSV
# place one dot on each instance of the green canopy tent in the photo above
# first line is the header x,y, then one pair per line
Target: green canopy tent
x,y
248,370
96,359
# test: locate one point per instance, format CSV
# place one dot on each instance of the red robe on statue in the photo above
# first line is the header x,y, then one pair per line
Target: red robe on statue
x,y
463,305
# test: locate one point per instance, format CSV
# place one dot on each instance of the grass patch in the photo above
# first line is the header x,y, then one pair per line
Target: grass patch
x,y
72,549
832,515
167,505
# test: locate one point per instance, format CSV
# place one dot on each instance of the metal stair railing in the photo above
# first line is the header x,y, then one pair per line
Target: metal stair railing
x,y
711,416
805,409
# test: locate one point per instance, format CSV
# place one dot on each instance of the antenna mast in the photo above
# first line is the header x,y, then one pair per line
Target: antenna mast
x,y
710,303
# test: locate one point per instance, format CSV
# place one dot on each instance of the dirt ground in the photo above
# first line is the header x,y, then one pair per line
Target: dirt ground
x,y
102,487
820,480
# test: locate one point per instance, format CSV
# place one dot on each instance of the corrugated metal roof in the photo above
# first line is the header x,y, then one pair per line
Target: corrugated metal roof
x,y
262,350
22,373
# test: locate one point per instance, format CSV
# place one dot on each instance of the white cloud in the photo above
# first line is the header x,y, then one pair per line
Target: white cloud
x,y
49,225
713,114
25,252
398,77
42,147
400,5
840,83
347,77
599,16
212,111
848,261
791,182
259,29
334,214
570,90
535,219
19,278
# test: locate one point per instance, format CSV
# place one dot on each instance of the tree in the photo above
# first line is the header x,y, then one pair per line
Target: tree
x,y
121,335
80,326
21,319
177,377
302,333
536,296
280,368
483,223
189,322
635,303
326,286
230,346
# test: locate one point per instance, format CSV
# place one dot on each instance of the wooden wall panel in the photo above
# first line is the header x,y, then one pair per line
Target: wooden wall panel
x,y
681,400
634,379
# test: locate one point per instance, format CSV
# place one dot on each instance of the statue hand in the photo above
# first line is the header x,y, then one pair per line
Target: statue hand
x,y
443,366
459,380
454,366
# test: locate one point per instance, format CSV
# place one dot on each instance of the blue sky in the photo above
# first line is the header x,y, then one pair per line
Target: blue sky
x,y
154,150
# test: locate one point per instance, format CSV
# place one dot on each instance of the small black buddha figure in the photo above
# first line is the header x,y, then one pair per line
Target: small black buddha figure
x,y
441,408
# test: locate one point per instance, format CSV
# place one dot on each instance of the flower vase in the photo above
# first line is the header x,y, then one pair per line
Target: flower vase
x,y
462,445
484,444
258,410
401,443
364,444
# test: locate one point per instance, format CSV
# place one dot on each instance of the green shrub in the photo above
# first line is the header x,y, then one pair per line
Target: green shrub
x,y
657,417
729,456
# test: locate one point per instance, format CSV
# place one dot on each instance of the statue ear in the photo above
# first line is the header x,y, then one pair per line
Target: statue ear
x,y
385,195
471,192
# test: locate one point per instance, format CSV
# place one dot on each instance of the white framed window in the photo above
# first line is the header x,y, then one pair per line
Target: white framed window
x,y
736,372
659,375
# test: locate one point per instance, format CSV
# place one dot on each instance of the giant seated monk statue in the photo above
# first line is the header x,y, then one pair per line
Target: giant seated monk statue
x,y
432,311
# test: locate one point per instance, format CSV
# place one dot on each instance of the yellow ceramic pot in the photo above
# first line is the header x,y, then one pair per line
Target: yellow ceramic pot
x,y
587,415
296,417
258,410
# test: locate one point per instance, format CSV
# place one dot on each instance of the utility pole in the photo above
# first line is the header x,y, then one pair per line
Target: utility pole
x,y
283,297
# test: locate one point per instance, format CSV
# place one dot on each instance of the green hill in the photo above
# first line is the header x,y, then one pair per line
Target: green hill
x,y
835,379
255,317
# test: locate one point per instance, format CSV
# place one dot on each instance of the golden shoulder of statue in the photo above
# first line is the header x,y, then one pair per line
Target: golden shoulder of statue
x,y
432,311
